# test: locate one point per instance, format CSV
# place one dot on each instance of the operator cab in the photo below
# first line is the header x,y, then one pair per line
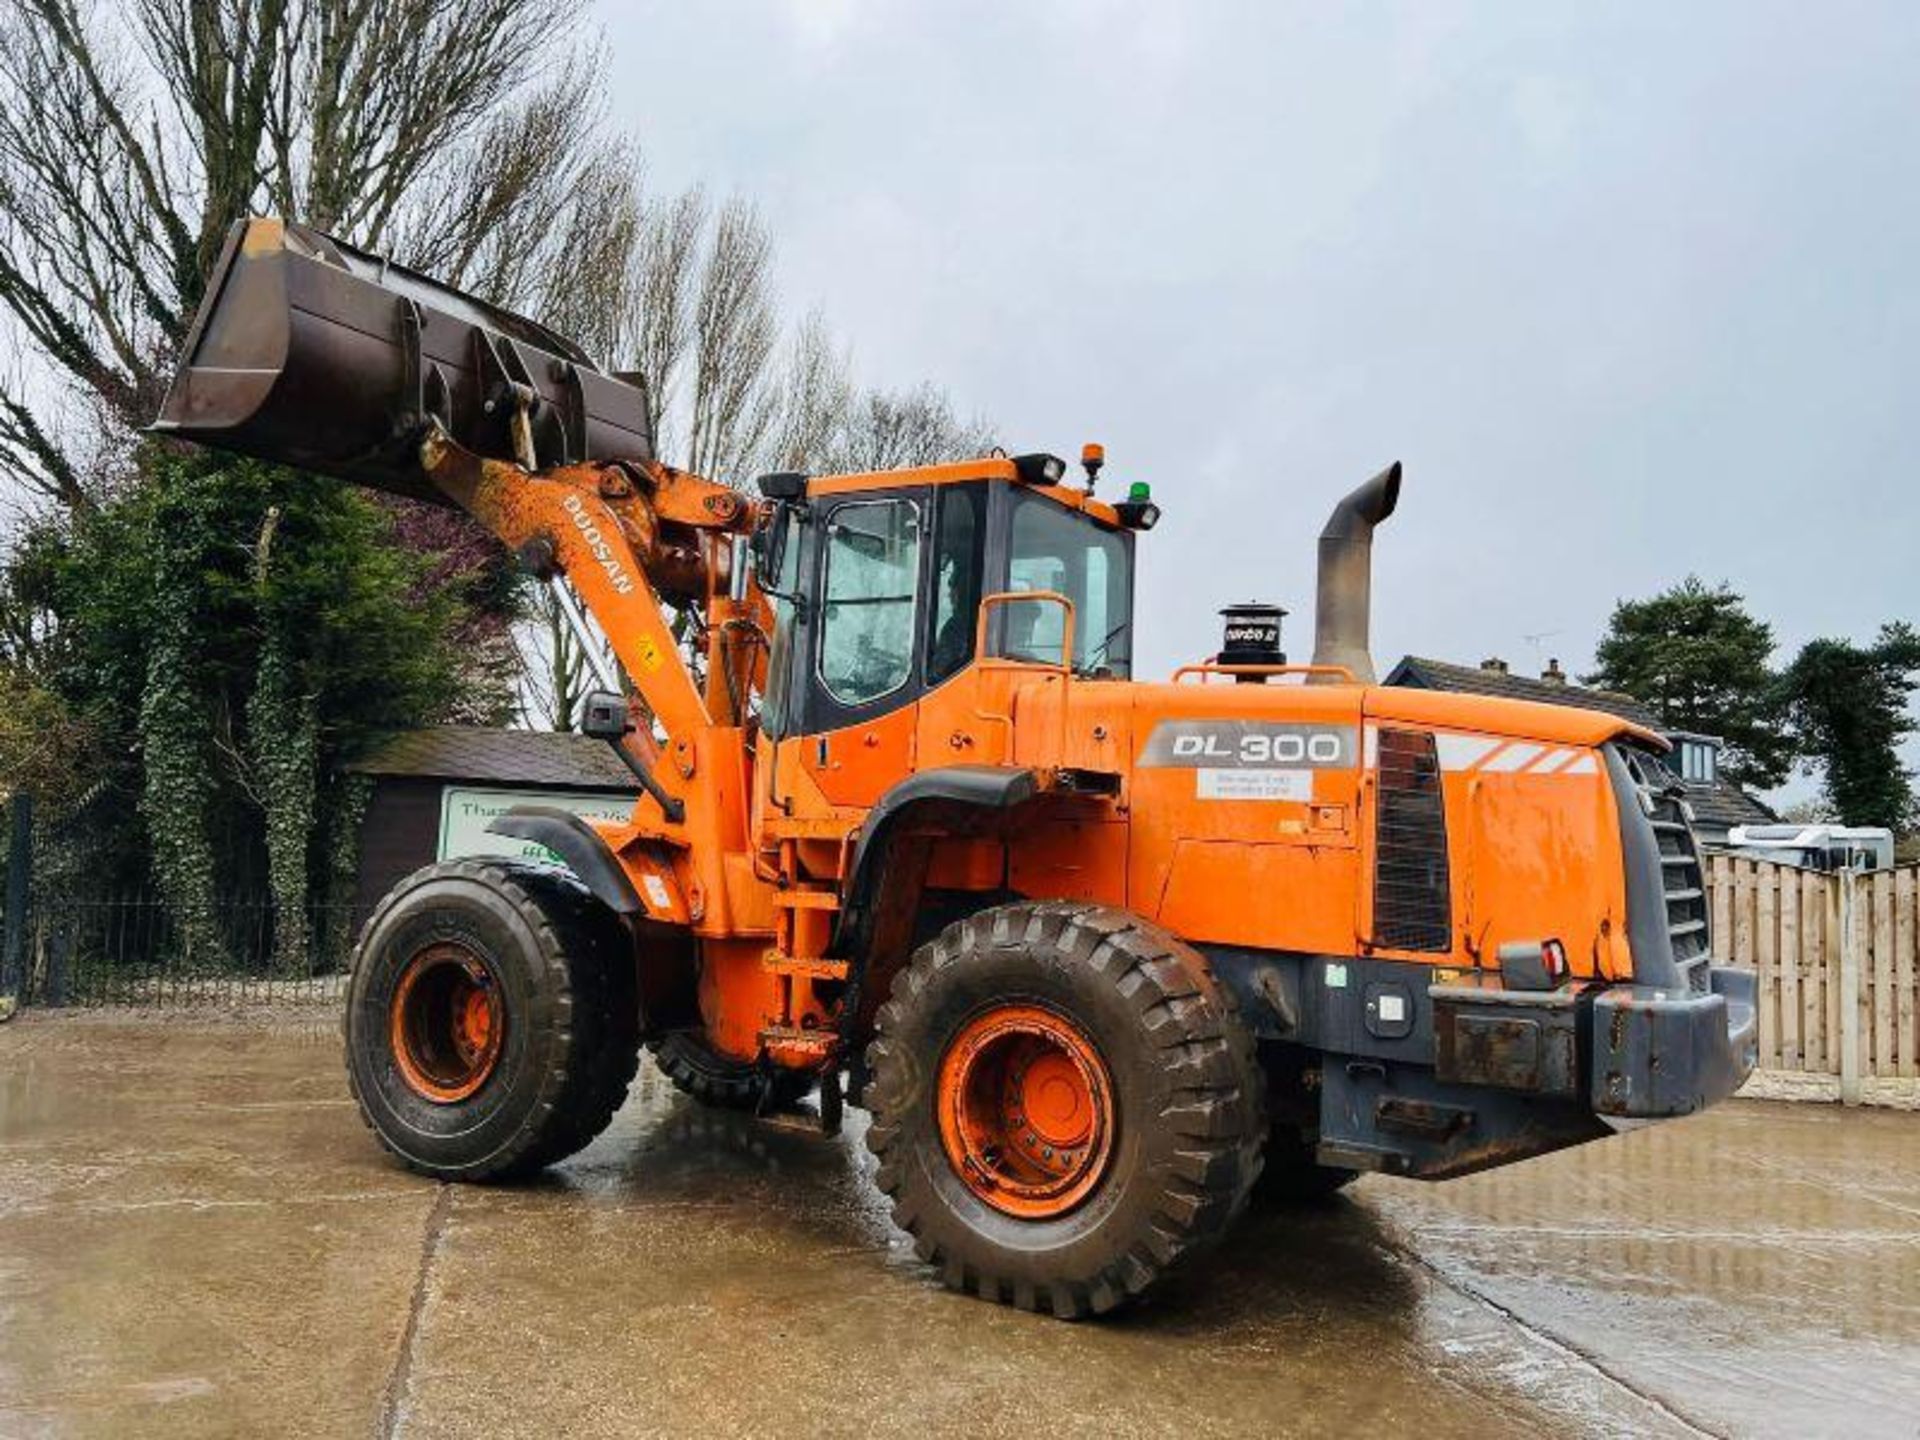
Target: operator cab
x,y
878,583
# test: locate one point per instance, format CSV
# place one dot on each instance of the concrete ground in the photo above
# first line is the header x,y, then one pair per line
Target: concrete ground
x,y
198,1237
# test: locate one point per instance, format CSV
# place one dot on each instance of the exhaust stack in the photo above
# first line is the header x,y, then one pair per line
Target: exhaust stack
x,y
1343,607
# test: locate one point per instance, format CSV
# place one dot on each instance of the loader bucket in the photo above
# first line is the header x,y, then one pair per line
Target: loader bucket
x,y
306,352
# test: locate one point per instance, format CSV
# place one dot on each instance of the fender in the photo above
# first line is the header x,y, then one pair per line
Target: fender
x,y
978,788
581,846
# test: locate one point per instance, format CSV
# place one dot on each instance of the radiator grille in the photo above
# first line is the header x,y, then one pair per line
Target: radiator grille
x,y
1682,876
1412,890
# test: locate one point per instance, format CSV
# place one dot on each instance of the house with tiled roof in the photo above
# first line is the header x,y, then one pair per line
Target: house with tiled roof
x,y
1718,804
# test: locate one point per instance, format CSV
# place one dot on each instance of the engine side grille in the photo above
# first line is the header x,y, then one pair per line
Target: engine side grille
x,y
1412,887
1682,875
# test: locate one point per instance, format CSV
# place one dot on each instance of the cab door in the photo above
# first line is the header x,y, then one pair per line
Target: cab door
x,y
864,664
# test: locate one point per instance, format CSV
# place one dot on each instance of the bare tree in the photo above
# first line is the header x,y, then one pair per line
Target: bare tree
x,y
888,429
816,400
660,327
734,339
553,668
131,138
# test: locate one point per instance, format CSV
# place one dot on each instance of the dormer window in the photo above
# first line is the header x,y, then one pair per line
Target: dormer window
x,y
1698,760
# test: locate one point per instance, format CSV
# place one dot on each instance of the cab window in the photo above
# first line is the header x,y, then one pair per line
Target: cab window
x,y
957,559
774,704
1053,548
869,599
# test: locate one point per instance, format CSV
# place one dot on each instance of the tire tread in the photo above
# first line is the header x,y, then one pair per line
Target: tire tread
x,y
588,972
1186,1016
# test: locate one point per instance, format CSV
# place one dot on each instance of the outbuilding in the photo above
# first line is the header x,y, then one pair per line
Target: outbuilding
x,y
434,792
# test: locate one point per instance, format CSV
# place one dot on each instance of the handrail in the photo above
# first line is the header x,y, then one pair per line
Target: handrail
x,y
984,661
1211,667
1012,597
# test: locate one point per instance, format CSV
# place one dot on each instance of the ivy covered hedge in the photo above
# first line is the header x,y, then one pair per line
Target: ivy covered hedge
x,y
220,642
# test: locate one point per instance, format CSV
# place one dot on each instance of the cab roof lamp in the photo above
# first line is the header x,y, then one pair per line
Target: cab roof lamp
x,y
1039,469
1137,511
1092,457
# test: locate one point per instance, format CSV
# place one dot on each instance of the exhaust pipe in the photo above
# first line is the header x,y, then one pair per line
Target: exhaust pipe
x,y
1343,606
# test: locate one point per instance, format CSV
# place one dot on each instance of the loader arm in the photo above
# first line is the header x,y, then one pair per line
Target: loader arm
x,y
627,536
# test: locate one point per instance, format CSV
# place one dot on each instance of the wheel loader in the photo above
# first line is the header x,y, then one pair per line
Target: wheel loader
x,y
1090,951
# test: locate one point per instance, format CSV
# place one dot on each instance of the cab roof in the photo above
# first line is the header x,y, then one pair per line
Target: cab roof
x,y
999,468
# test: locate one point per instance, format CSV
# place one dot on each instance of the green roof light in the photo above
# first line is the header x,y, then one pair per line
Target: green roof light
x,y
1139,493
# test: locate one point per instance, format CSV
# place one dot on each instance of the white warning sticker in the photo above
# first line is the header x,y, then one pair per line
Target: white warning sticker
x,y
656,889
1218,784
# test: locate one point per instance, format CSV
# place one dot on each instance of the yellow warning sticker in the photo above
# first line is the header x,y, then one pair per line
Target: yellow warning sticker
x,y
649,654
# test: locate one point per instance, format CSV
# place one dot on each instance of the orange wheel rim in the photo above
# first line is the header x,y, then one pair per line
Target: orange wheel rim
x,y
446,1023
1026,1111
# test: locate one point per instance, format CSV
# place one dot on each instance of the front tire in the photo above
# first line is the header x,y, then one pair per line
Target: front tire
x,y
492,1021
1064,1105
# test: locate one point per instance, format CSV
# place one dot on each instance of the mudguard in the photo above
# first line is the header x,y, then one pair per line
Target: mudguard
x,y
950,787
580,845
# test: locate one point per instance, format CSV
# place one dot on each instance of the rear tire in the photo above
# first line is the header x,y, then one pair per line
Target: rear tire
x,y
492,1021
1134,1108
697,1069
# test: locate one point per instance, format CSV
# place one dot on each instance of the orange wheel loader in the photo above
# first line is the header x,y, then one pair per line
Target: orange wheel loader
x,y
1089,950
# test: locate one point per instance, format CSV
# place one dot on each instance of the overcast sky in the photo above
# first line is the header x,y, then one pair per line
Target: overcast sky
x,y
1628,288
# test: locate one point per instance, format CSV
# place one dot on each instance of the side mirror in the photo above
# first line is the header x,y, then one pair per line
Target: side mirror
x,y
603,715
769,547
769,544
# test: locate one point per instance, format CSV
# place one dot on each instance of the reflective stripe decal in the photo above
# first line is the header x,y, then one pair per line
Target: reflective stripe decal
x,y
1460,753
1463,752
1514,757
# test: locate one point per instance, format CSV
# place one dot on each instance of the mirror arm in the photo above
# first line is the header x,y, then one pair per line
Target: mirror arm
x,y
674,808
606,715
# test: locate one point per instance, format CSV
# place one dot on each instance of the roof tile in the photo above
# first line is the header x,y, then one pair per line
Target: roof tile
x,y
539,758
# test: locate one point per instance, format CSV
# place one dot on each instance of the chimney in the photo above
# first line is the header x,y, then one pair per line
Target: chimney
x,y
1495,664
1553,674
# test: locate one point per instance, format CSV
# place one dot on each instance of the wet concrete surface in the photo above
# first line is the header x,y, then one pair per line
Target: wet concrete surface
x,y
197,1236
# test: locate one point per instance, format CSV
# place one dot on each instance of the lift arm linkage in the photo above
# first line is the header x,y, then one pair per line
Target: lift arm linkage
x,y
627,536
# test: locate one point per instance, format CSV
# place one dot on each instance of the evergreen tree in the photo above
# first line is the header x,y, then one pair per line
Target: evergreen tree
x,y
1697,658
1848,707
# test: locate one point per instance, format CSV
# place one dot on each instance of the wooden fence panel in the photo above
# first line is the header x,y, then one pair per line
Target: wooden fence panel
x,y
1879,888
1766,964
1906,970
1819,919
1793,1052
1814,943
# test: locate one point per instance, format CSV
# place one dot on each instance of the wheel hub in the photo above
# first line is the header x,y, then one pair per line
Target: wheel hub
x,y
446,1023
1026,1111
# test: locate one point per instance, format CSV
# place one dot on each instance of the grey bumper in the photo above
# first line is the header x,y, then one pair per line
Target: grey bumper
x,y
1622,1051
1661,1052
